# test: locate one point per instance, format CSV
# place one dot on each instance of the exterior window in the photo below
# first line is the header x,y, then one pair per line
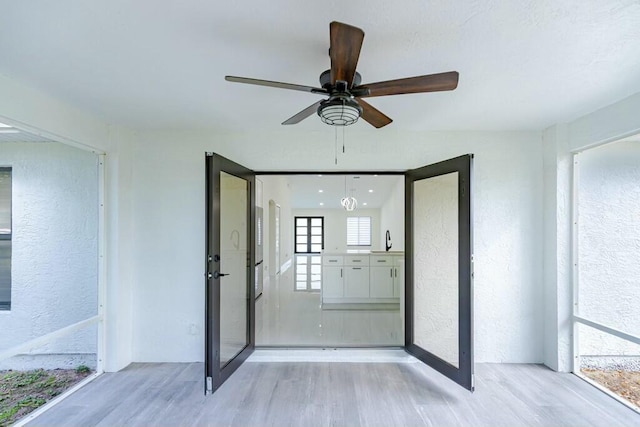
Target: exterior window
x,y
359,231
5,238
309,234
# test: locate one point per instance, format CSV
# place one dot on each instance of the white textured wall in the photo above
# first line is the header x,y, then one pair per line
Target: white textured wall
x,y
37,112
335,227
54,243
169,190
609,242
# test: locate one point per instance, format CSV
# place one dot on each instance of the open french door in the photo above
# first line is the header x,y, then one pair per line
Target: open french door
x,y
439,267
230,257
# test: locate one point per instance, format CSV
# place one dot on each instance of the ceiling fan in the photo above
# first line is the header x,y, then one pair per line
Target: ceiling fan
x,y
342,83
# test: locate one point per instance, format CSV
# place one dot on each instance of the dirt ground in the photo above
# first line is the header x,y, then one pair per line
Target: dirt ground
x,y
623,383
24,391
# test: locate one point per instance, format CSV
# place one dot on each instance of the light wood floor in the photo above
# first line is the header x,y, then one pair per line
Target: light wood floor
x,y
337,394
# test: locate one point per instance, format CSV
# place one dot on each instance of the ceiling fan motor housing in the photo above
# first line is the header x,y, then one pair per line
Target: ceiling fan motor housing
x,y
325,80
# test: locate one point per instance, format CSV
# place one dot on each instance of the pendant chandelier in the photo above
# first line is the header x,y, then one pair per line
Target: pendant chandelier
x,y
348,202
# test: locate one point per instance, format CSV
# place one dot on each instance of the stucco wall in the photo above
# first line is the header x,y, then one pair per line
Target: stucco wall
x,y
169,197
609,244
54,244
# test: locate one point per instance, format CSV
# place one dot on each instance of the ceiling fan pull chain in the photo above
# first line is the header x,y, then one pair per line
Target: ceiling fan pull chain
x,y
336,144
342,139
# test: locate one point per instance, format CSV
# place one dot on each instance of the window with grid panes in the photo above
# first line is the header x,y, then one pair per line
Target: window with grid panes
x,y
309,234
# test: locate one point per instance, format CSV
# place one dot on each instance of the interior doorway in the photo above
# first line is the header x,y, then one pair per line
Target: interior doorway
x,y
359,278
355,301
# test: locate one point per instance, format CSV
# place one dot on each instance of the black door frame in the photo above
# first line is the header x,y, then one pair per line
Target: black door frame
x,y
463,165
463,374
215,375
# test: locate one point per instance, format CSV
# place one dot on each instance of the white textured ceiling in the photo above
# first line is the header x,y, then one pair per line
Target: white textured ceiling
x,y
161,64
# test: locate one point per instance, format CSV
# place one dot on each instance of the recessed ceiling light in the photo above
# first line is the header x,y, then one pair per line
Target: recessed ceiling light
x,y
370,191
321,204
364,204
320,191
319,175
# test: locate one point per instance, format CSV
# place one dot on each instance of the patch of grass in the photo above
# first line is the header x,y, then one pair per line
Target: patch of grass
x,y
83,369
24,391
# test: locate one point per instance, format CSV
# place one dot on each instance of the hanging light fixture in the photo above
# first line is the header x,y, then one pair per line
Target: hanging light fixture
x,y
341,110
348,202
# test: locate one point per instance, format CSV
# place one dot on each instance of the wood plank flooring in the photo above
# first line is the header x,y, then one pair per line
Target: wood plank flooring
x,y
337,394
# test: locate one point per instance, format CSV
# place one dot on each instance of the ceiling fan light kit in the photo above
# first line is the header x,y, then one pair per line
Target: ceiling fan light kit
x,y
342,84
339,111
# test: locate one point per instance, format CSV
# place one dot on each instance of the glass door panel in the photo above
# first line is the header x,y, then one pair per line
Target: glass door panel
x,y
233,262
438,312
435,266
230,276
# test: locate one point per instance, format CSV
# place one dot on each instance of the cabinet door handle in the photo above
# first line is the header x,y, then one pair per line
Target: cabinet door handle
x,y
396,269
381,260
333,260
391,271
357,260
340,272
356,268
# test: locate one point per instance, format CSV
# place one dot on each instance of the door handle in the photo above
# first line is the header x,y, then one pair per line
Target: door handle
x,y
217,275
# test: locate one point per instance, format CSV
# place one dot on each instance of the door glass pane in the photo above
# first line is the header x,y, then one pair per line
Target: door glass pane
x,y
234,291
316,248
302,222
316,222
435,266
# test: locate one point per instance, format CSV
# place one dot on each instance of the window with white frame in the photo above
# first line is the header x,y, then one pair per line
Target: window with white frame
x,y
5,238
359,231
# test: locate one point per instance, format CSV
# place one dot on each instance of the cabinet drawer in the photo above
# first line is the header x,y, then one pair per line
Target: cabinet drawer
x,y
356,260
381,260
332,260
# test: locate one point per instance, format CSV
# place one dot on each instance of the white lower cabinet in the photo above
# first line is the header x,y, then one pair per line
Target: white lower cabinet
x,y
381,282
374,278
356,282
398,279
332,282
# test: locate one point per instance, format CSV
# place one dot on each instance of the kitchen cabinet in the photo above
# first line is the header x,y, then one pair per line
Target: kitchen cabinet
x,y
381,276
332,281
356,282
398,276
362,278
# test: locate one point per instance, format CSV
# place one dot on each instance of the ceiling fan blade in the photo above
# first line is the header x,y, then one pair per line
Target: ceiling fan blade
x,y
279,85
346,42
302,114
428,83
372,115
